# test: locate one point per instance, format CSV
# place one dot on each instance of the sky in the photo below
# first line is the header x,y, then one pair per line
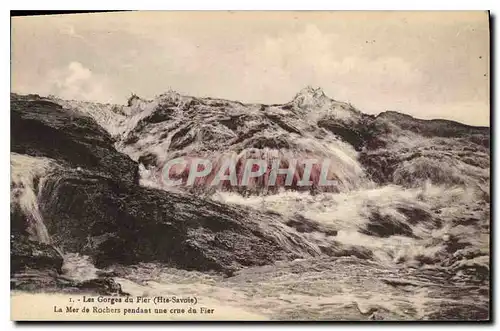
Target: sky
x,y
426,64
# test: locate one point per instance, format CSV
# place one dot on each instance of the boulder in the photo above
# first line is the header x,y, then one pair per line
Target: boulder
x,y
116,222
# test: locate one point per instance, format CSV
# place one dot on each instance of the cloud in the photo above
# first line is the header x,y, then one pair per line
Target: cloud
x,y
76,81
273,69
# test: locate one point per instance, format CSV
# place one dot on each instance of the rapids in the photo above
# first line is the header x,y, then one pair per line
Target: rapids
x,y
404,234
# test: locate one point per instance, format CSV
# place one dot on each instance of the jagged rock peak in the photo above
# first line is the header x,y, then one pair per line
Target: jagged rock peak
x,y
310,91
170,94
311,97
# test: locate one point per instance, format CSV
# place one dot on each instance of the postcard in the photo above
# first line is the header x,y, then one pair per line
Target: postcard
x,y
250,166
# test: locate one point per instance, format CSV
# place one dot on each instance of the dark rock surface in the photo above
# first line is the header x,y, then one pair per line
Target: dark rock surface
x,y
120,223
302,224
103,286
40,127
31,254
36,280
384,226
434,128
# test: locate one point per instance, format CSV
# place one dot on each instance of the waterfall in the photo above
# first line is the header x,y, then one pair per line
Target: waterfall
x,y
25,170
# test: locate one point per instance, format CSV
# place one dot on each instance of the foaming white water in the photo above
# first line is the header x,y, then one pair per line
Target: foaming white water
x,y
79,267
337,159
150,141
24,170
359,203
117,120
350,213
351,205
343,157
172,112
108,116
326,288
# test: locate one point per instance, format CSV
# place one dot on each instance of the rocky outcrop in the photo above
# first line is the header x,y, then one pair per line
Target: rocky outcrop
x,y
93,205
434,128
408,151
102,286
41,127
115,222
30,254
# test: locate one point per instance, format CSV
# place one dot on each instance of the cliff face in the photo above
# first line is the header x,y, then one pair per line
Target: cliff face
x,y
410,195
